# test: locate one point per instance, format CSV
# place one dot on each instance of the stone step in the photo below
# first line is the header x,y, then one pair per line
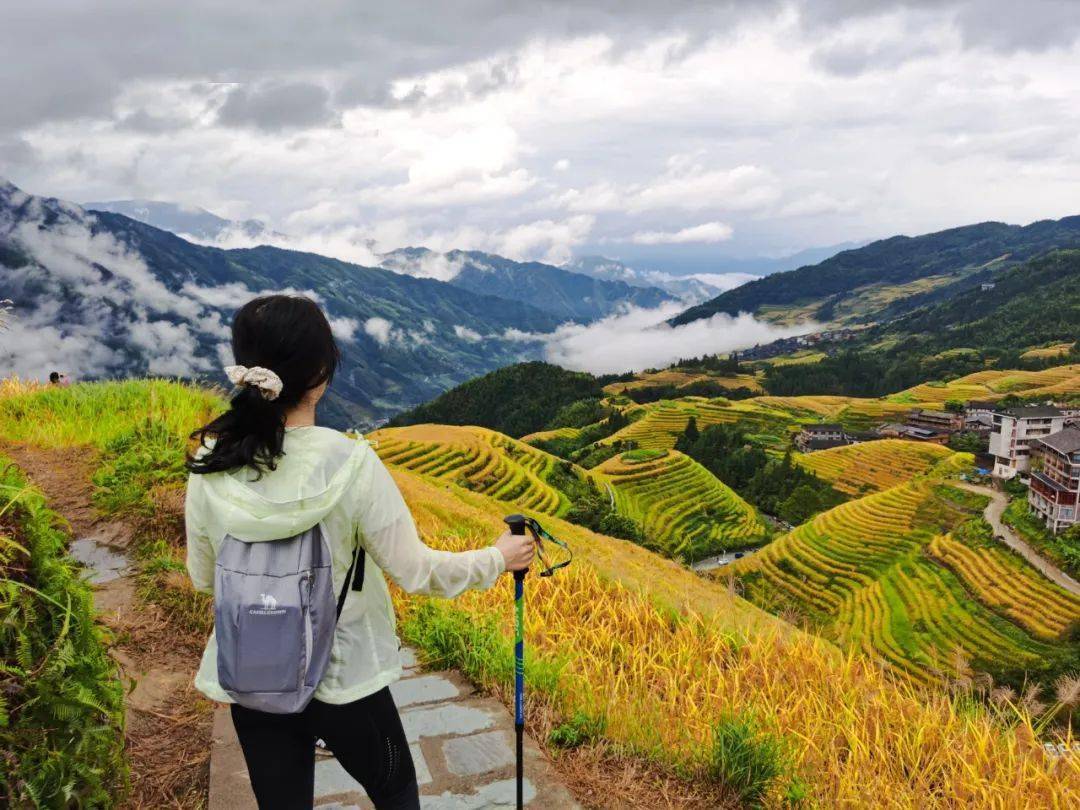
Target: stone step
x,y
462,745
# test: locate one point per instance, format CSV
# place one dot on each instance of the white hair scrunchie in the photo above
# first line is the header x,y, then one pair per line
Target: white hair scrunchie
x,y
267,382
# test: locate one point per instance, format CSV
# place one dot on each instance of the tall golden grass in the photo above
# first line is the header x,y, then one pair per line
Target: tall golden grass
x,y
663,657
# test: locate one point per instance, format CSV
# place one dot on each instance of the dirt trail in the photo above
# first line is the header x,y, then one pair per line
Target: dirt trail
x,y
168,727
993,513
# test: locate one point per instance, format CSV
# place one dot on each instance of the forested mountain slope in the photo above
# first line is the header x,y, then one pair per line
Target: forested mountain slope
x,y
567,295
892,275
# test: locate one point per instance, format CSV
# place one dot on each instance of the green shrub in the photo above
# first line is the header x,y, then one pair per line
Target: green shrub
x,y
745,759
579,730
133,463
61,700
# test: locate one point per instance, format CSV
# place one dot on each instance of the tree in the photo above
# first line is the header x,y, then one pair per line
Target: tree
x,y
691,433
800,505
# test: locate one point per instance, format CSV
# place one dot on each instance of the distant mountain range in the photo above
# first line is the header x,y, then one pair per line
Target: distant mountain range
x,y
688,289
187,221
570,296
892,276
103,295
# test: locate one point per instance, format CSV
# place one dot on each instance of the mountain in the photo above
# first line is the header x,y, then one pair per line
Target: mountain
x,y
989,326
101,295
568,295
889,277
515,400
688,289
1029,305
183,220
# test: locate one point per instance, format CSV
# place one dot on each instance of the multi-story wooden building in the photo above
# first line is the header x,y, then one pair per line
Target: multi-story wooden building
x,y
820,436
1055,479
939,421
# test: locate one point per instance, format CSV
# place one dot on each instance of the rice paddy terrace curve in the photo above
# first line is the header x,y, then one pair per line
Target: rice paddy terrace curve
x,y
865,573
858,469
480,460
684,510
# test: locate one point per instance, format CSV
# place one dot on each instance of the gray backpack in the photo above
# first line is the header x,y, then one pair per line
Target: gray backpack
x,y
274,618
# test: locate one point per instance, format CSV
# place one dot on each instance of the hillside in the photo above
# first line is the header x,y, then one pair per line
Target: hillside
x,y
859,469
890,276
481,460
637,666
1028,306
101,295
566,295
866,574
684,511
517,399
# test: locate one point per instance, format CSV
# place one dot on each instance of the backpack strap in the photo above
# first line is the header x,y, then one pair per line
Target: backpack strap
x,y
355,574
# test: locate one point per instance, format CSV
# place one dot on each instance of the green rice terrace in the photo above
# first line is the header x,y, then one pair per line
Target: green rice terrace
x,y
878,573
685,511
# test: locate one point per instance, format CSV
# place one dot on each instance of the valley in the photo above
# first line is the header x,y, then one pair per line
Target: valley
x,y
627,639
756,541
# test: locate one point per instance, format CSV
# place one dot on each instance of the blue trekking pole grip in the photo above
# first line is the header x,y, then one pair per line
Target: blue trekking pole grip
x,y
517,526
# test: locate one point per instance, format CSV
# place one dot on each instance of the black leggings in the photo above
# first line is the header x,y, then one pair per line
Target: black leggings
x,y
366,737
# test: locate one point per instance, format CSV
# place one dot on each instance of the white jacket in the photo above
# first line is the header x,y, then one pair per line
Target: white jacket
x,y
326,476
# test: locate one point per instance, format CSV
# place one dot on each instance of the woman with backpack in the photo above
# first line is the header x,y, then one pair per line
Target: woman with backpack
x,y
291,527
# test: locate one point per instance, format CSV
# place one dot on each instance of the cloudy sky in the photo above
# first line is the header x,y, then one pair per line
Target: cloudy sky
x,y
543,129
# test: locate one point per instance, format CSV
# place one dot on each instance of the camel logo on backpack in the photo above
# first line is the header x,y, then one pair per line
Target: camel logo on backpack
x,y
274,618
269,602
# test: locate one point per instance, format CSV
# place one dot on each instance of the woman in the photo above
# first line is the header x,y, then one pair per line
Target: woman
x,y
263,472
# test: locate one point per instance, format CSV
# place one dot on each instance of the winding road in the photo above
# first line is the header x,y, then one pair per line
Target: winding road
x,y
993,513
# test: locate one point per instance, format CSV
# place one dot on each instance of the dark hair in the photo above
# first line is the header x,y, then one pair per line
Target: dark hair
x,y
289,335
54,376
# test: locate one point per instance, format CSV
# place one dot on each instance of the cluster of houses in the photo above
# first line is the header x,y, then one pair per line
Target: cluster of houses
x,y
787,345
1038,443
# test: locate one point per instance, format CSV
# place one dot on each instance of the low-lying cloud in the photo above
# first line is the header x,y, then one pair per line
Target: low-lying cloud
x,y
640,338
706,232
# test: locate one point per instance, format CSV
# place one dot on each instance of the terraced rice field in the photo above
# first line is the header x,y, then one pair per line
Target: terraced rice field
x,y
994,384
1047,351
480,460
679,378
860,571
684,509
858,469
771,417
557,433
1007,586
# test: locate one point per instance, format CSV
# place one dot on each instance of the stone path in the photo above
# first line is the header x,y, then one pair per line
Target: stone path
x,y
462,745
993,513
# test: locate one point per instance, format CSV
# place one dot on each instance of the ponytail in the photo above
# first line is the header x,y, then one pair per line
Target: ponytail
x,y
288,339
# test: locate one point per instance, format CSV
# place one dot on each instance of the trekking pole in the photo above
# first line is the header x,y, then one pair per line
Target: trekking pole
x,y
518,524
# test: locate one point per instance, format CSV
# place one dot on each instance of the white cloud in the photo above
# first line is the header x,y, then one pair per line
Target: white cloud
x,y
640,338
380,329
465,333
428,264
344,328
549,240
117,303
798,123
706,232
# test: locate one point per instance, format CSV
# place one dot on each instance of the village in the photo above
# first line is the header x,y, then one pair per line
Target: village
x,y
1037,445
